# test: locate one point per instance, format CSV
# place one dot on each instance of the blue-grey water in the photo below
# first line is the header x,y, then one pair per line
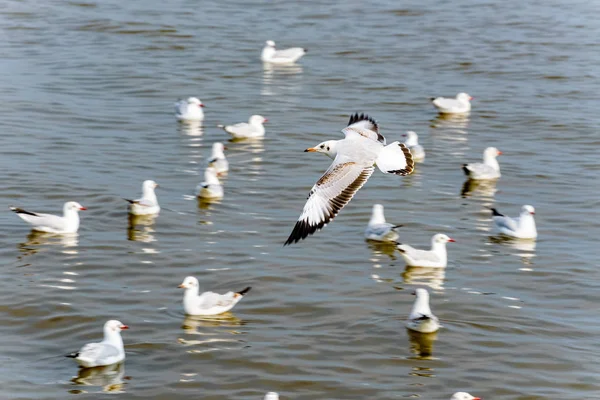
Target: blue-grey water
x,y
86,114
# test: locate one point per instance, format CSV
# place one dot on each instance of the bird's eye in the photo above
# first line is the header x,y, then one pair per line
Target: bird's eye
x,y
322,145
328,149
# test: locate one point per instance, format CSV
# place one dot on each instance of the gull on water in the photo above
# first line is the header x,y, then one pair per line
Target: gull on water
x,y
217,158
211,188
271,396
459,105
109,351
522,227
189,110
68,223
378,229
421,319
354,158
412,142
271,55
148,203
489,169
463,396
208,303
434,258
247,130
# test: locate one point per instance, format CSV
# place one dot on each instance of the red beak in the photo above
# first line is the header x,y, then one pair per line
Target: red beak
x,y
532,213
82,208
476,398
201,105
471,98
404,135
451,240
123,327
266,120
500,153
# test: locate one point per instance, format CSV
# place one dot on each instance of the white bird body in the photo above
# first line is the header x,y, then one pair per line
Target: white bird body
x,y
488,170
380,230
252,129
412,142
148,203
271,396
434,258
522,227
67,223
211,188
217,159
189,110
421,319
109,351
353,163
271,55
463,396
207,303
459,105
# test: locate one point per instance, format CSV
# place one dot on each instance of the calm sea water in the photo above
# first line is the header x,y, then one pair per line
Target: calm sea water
x,y
86,114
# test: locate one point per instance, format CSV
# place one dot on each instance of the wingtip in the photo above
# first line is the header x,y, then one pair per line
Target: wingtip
x,y
129,200
432,99
72,355
246,290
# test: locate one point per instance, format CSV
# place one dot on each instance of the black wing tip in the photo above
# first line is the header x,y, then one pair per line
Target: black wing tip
x,y
72,355
495,213
305,50
129,200
397,226
465,169
410,163
423,318
21,211
356,117
302,230
246,290
432,99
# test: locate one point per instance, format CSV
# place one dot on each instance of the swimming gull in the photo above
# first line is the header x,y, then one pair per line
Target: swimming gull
x,y
421,319
459,105
208,303
211,188
489,169
148,203
522,227
378,229
434,258
247,130
463,396
271,55
217,158
68,223
109,351
412,142
189,110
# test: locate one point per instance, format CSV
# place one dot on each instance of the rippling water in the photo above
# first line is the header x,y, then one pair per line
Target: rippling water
x,y
86,115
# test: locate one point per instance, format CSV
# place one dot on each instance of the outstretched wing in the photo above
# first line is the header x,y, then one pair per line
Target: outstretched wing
x,y
395,158
364,126
328,196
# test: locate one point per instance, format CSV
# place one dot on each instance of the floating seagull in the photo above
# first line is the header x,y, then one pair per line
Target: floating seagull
x,y
211,188
271,55
434,258
353,162
109,351
68,223
459,105
412,142
208,303
490,169
189,110
247,130
463,396
271,396
217,159
378,229
421,319
520,228
148,203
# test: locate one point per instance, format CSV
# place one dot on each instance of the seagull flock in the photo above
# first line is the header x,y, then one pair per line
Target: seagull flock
x,y
354,160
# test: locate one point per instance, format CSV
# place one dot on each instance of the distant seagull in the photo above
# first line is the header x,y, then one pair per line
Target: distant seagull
x,y
189,110
412,142
148,203
208,303
354,159
421,319
434,258
459,105
490,169
287,56
522,227
211,188
271,396
68,223
463,396
247,130
378,229
217,158
109,351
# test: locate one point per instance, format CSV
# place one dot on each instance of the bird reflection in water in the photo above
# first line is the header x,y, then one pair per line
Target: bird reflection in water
x,y
482,188
35,240
191,128
524,248
276,78
110,377
457,122
192,324
140,228
381,248
432,277
421,344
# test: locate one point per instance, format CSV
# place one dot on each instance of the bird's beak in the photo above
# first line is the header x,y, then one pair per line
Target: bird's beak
x,y
265,121
225,148
201,105
82,208
156,185
476,398
532,213
123,327
471,98
182,286
404,135
451,240
500,153
311,150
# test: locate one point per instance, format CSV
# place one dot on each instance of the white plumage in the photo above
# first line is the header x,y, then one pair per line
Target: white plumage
x,y
189,110
354,160
489,169
412,142
421,319
148,203
68,223
271,396
434,258
380,230
522,227
217,159
211,188
253,129
109,351
271,55
208,303
463,396
459,105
